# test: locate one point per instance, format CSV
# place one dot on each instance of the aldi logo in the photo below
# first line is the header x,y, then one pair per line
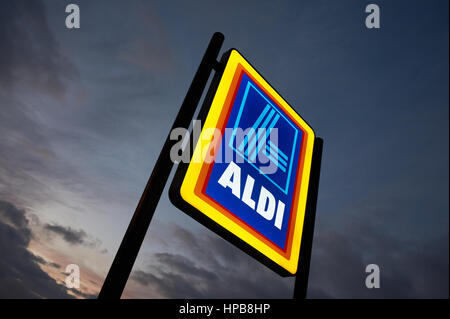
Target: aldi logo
x,y
250,182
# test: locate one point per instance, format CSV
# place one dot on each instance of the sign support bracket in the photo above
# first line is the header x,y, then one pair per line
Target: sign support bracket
x,y
301,278
122,265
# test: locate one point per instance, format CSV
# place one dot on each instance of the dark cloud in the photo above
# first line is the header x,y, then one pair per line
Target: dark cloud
x,y
179,263
72,236
83,295
54,265
40,260
408,268
151,49
44,262
32,66
212,272
30,54
10,213
212,268
20,274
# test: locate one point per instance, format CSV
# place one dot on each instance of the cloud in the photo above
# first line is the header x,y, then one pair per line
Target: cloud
x,y
30,55
209,267
20,274
151,49
42,261
408,268
9,212
84,295
34,77
54,265
72,236
206,266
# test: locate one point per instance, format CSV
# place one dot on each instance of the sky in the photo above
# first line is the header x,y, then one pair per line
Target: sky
x,y
84,113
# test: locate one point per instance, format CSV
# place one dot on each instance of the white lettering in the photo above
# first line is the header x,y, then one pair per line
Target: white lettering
x,y
266,199
231,178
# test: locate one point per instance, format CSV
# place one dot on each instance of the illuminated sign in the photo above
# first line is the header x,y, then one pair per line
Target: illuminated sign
x,y
249,174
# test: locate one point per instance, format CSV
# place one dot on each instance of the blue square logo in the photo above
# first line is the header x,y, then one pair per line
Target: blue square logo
x,y
256,114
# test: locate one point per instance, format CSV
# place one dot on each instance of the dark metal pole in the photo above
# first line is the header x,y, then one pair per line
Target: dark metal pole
x,y
126,255
301,279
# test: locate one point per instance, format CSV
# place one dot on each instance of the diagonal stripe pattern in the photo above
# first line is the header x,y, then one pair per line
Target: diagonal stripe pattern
x,y
259,135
